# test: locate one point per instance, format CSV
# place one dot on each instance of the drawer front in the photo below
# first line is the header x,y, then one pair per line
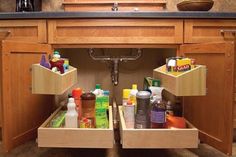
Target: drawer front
x,y
157,138
24,30
75,137
199,31
115,31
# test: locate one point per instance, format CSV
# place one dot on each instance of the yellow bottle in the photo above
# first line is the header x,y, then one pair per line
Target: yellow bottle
x,y
133,93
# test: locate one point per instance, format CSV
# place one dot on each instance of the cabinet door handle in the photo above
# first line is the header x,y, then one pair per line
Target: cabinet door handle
x,y
233,31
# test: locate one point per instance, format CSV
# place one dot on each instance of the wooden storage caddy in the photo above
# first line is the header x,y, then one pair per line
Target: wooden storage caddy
x,y
75,137
189,83
44,81
157,138
106,5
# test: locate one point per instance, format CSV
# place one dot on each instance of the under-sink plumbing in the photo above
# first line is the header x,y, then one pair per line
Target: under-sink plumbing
x,y
114,62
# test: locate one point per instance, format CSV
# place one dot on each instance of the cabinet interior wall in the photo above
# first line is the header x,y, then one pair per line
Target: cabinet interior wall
x,y
91,72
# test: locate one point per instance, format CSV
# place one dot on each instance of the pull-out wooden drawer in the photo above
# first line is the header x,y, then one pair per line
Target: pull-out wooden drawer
x,y
24,30
200,31
75,137
157,138
115,31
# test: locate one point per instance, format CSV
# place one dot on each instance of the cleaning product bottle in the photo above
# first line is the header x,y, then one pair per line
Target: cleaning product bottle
x,y
76,93
71,119
133,93
126,96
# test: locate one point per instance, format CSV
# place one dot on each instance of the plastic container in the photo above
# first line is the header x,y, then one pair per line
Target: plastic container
x,y
76,93
133,93
158,114
126,95
88,107
71,118
142,119
129,109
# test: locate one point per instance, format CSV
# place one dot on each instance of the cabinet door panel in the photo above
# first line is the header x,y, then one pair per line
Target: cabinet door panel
x,y
213,114
23,112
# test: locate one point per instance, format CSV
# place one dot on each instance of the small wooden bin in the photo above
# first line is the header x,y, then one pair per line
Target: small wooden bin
x,y
189,83
75,137
157,138
44,81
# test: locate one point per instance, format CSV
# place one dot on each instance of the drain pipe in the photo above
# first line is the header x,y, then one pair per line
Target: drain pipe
x,y
114,61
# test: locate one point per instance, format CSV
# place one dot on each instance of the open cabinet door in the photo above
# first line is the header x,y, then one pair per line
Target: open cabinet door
x,y
213,114
23,112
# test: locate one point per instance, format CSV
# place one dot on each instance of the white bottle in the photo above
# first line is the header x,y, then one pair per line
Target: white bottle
x,y
71,119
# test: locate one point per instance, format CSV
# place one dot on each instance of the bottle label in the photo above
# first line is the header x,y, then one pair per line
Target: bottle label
x,y
158,116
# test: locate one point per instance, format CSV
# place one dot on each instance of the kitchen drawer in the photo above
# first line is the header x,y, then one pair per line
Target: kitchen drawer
x,y
200,31
75,137
45,81
24,30
189,83
157,138
115,31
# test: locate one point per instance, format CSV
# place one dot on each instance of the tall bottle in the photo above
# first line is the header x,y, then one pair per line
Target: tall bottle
x,y
76,93
133,93
71,118
158,114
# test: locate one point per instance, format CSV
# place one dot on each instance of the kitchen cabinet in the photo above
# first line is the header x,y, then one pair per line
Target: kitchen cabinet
x,y
23,112
115,31
212,115
24,30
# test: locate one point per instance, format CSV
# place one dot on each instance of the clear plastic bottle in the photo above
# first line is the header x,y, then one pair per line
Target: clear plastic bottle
x,y
71,118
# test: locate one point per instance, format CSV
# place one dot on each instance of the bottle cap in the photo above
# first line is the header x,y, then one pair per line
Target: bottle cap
x,y
126,93
71,100
97,86
88,96
143,95
134,86
106,92
76,93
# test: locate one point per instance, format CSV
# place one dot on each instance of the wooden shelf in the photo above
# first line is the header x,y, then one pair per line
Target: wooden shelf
x,y
189,83
75,137
45,81
157,138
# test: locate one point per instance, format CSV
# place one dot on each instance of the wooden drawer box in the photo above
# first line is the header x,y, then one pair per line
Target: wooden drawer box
x,y
115,31
200,31
44,81
75,137
157,138
189,83
24,30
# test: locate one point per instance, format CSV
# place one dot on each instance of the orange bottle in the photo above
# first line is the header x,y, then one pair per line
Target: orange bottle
x,y
76,93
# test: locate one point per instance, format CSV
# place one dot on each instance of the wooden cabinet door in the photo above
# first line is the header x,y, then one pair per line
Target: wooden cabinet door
x,y
23,112
213,114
